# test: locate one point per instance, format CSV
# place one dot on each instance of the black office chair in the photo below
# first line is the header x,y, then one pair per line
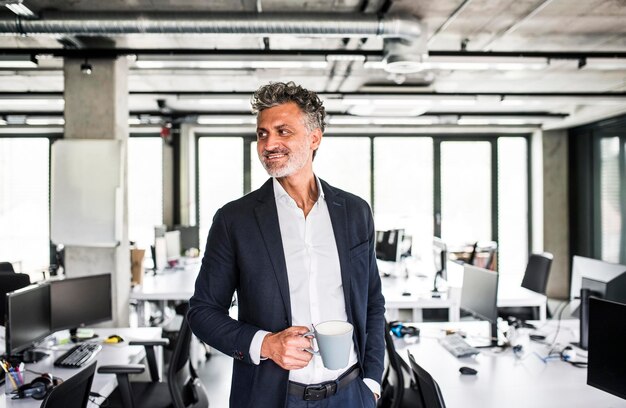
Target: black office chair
x,y
537,272
6,267
394,394
535,279
8,283
428,388
183,389
73,392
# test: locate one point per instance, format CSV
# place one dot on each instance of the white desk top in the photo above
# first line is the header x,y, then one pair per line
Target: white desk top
x,y
104,384
170,284
504,380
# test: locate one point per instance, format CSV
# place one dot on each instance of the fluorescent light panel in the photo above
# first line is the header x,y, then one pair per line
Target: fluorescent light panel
x,y
17,61
229,62
226,120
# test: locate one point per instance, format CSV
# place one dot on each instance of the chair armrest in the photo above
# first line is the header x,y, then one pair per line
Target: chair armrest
x,y
123,383
122,369
149,345
157,342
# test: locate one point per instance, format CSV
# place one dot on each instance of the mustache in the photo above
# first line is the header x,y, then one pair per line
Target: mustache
x,y
275,151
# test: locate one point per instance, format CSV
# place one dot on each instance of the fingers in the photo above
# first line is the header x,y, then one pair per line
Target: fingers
x,y
285,348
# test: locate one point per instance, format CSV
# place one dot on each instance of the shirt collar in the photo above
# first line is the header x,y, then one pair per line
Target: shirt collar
x,y
279,191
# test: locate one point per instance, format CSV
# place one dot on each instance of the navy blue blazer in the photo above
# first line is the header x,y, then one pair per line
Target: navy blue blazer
x,y
244,253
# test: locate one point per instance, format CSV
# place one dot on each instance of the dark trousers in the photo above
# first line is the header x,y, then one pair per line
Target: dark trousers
x,y
355,395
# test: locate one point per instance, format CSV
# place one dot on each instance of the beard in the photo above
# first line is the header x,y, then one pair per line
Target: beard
x,y
296,160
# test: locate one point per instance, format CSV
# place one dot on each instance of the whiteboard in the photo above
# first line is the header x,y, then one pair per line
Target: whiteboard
x,y
86,199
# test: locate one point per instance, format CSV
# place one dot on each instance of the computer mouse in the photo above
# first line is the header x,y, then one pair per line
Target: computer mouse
x,y
114,338
467,371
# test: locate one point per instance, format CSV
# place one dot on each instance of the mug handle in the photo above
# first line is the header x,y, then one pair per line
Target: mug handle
x,y
310,349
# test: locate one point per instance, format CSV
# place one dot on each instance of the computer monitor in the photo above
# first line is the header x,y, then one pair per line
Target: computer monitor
x,y
593,269
77,302
614,289
606,369
389,245
172,244
479,296
159,253
189,236
28,318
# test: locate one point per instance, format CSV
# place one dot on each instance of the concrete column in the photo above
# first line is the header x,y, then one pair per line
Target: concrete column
x,y
187,175
96,107
556,210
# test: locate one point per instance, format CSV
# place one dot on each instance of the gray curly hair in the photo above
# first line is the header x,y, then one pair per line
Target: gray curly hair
x,y
278,93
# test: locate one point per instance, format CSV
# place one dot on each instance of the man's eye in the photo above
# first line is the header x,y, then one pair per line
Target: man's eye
x,y
284,132
261,135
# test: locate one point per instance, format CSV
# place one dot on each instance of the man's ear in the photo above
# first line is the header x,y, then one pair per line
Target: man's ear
x,y
316,138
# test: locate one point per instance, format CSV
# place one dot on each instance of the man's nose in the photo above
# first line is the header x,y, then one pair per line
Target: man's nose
x,y
272,141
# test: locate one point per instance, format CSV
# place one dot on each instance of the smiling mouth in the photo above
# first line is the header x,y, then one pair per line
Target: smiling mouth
x,y
274,156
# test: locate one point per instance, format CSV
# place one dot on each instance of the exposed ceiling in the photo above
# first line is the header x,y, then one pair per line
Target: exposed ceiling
x,y
529,63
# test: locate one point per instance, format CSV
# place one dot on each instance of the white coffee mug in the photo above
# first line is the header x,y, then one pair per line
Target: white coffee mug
x,y
334,340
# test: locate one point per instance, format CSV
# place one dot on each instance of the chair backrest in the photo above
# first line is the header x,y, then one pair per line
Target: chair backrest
x,y
428,387
8,283
73,392
537,272
6,267
395,378
185,387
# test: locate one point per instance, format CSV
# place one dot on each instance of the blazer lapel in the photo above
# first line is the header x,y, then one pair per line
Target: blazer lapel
x,y
267,218
339,219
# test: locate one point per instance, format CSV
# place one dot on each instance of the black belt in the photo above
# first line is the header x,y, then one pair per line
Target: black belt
x,y
316,392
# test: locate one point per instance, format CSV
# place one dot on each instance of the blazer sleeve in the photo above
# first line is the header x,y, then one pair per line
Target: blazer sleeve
x,y
216,283
373,364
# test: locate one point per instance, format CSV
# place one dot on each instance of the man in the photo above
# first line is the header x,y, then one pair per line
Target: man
x,y
297,252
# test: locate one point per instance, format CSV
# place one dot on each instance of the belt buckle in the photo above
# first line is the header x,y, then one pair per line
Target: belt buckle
x,y
319,392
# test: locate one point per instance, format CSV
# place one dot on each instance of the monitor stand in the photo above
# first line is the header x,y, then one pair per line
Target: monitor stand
x,y
27,356
495,339
435,293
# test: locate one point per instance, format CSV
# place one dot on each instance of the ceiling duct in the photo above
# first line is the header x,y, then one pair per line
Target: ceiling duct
x,y
404,39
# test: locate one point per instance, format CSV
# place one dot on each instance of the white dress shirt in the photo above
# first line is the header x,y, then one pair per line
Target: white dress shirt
x,y
314,273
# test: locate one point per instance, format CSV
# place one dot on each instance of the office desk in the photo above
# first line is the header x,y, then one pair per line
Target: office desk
x,y
504,380
169,284
104,384
420,297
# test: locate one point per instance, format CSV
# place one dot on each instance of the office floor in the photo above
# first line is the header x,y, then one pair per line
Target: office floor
x,y
215,374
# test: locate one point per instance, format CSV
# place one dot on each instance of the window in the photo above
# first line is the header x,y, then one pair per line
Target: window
x,y
466,192
512,206
610,211
221,177
403,189
24,203
344,162
145,189
258,174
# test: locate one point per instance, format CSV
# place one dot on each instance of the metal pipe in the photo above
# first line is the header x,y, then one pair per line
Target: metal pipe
x,y
404,27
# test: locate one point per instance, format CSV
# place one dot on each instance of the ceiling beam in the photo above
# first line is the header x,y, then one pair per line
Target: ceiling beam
x,y
114,52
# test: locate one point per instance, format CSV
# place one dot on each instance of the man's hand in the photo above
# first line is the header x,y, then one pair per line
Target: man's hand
x,y
285,348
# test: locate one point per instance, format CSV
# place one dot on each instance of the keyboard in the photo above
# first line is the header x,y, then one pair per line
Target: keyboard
x,y
78,355
456,345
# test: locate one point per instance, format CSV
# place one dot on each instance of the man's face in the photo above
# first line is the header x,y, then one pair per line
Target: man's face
x,y
284,144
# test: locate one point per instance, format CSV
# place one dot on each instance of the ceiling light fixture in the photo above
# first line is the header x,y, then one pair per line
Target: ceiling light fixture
x,y
86,67
229,62
18,61
226,120
44,120
18,8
